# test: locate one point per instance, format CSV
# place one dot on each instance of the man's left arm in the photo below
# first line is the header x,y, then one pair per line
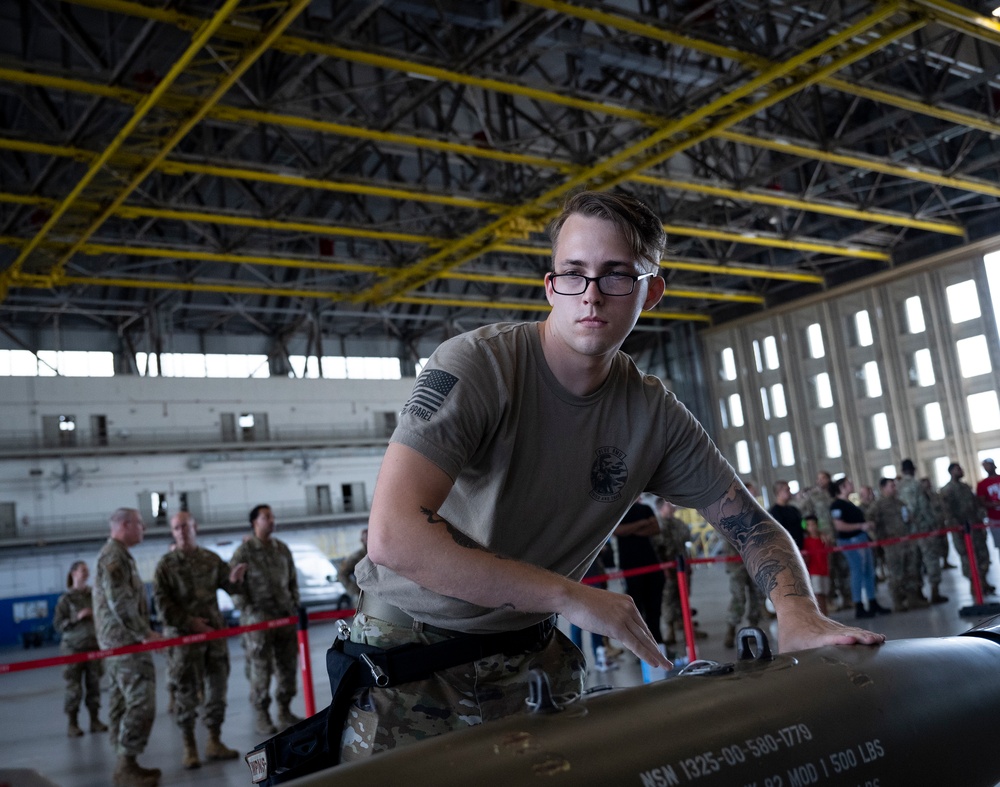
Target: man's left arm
x,y
776,566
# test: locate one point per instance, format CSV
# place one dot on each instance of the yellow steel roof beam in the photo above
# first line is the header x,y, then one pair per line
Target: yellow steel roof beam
x,y
202,37
247,59
606,172
812,206
863,162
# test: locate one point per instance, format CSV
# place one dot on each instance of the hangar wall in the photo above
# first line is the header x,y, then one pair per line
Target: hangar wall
x,y
902,365
73,449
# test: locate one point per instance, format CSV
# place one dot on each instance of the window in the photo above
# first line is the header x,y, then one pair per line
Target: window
x,y
914,313
786,452
814,340
723,414
771,353
933,422
889,471
831,440
941,475
49,363
778,406
772,447
880,431
793,487
823,392
984,411
757,357
727,364
873,382
765,406
863,329
963,301
973,356
743,457
735,410
922,368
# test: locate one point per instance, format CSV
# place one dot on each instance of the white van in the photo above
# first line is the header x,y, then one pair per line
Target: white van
x,y
317,576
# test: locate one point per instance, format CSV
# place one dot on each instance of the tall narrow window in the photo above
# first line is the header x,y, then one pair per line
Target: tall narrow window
x,y
724,414
880,431
831,440
922,369
785,450
814,340
778,406
743,457
933,421
764,404
914,311
873,382
863,328
758,356
824,394
735,410
771,360
727,364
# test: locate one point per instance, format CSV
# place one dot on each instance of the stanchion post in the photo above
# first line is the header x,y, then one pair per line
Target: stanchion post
x,y
682,590
977,585
305,663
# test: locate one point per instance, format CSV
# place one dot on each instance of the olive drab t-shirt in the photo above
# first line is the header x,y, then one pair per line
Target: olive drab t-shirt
x,y
540,475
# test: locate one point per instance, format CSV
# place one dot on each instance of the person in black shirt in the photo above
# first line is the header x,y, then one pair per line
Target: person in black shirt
x,y
635,550
852,529
788,516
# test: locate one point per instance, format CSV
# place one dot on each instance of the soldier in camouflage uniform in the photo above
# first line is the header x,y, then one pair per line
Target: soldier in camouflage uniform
x,y
74,620
184,586
121,616
922,520
745,597
963,507
892,520
941,517
270,590
814,503
345,571
671,542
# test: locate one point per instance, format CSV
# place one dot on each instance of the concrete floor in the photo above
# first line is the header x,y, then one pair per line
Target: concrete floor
x,y
33,727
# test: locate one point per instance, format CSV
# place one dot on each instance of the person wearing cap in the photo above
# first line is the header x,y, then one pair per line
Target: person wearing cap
x,y
988,491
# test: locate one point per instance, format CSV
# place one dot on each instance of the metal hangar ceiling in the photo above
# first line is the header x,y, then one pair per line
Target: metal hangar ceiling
x,y
329,170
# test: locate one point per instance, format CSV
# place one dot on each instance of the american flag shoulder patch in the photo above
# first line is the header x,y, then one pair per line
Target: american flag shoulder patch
x,y
429,393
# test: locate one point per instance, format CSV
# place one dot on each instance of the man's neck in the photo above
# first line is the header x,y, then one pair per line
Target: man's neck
x,y
580,375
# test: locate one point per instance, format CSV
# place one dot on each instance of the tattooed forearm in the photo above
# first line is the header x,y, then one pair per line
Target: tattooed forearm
x,y
457,535
770,555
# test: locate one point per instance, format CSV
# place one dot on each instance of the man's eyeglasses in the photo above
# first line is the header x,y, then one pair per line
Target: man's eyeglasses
x,y
609,283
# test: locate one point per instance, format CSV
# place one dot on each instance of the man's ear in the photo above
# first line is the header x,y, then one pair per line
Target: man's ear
x,y
549,293
654,292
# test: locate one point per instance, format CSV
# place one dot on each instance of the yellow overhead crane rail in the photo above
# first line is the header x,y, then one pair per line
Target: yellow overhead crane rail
x,y
304,263
174,18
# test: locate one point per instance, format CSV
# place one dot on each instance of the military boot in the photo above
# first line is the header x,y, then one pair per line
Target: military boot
x,y
285,717
262,723
936,597
730,639
190,760
916,600
73,731
128,773
96,725
215,749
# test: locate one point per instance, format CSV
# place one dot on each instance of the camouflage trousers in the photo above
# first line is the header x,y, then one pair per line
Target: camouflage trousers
x,y
929,555
493,688
979,549
131,701
745,598
271,652
671,605
902,561
197,672
84,676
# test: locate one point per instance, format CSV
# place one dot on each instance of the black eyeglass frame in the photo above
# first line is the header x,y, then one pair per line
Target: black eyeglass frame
x,y
588,279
